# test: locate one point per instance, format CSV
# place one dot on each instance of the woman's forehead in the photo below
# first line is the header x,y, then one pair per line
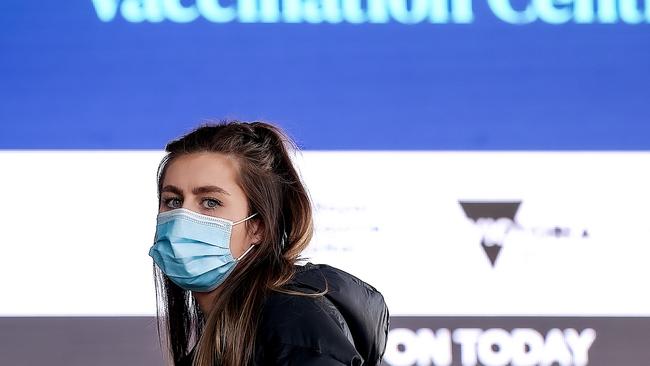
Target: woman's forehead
x,y
202,169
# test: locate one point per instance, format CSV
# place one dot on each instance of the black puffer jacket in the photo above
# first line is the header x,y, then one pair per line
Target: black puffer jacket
x,y
347,326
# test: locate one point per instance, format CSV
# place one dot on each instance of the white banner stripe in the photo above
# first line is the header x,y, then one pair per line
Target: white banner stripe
x,y
76,227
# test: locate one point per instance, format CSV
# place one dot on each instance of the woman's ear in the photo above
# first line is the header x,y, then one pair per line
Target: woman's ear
x,y
255,231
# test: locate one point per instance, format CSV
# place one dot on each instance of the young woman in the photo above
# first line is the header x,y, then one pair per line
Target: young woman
x,y
233,218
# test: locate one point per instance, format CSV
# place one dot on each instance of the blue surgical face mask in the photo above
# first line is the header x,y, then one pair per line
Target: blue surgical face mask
x,y
193,249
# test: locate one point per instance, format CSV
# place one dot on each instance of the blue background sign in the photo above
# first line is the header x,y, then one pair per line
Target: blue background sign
x,y
338,74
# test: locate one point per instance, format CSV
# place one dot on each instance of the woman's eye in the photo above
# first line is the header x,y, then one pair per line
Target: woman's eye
x,y
211,203
173,202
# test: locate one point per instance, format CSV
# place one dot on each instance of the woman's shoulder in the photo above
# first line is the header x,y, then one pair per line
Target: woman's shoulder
x,y
344,296
292,324
307,328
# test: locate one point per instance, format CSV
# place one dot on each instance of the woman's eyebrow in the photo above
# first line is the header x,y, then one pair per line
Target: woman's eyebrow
x,y
173,189
196,191
209,189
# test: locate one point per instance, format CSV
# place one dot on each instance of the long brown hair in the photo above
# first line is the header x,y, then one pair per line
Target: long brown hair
x,y
273,187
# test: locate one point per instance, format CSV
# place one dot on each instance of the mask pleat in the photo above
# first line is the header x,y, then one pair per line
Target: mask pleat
x,y
193,250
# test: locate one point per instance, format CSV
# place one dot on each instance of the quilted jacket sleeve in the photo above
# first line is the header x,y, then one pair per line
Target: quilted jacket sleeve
x,y
299,330
291,355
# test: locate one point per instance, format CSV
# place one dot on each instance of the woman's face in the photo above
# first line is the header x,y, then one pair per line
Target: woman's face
x,y
206,183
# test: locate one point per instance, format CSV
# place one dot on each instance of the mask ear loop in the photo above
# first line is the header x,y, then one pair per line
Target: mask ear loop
x,y
246,252
251,247
242,220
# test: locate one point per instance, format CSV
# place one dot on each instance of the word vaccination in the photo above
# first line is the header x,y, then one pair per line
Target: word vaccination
x,y
375,11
